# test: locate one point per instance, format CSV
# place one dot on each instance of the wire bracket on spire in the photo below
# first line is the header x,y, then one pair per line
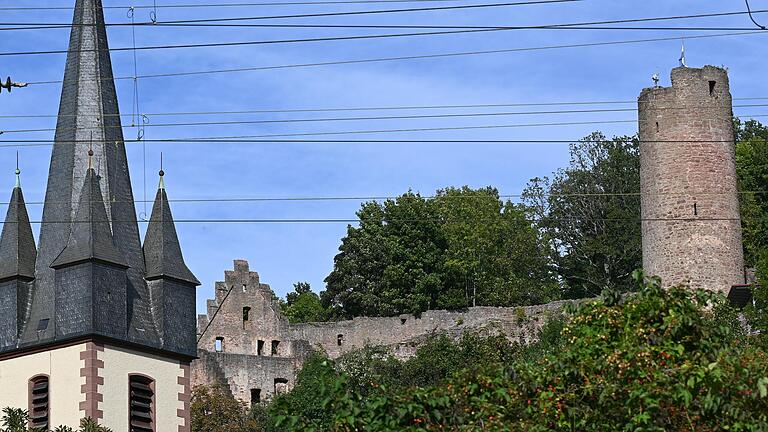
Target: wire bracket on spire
x,y
8,85
153,13
749,11
162,173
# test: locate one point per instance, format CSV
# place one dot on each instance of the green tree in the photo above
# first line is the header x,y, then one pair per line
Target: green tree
x,y
302,305
17,420
465,247
494,255
213,409
391,263
590,212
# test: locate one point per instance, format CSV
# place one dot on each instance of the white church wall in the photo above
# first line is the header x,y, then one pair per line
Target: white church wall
x,y
62,366
119,363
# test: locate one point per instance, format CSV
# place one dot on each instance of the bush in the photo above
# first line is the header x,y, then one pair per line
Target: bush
x,y
658,360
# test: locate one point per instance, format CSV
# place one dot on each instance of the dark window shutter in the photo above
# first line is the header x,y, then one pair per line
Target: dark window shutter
x,y
38,402
142,398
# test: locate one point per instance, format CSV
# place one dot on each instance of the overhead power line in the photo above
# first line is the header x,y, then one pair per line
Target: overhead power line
x,y
223,5
315,15
357,221
215,21
415,57
377,108
392,197
246,139
380,131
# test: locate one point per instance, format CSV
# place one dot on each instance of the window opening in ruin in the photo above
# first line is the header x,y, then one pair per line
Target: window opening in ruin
x,y
255,396
38,402
695,210
245,288
657,126
281,386
260,348
141,397
403,320
275,345
219,344
712,85
339,339
246,314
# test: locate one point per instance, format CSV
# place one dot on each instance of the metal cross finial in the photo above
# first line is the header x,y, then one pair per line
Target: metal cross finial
x,y
18,171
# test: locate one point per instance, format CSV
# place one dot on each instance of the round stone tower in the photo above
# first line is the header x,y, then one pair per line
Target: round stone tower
x,y
690,205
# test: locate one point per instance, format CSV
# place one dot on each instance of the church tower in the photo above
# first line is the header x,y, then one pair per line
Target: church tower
x,y
690,206
92,324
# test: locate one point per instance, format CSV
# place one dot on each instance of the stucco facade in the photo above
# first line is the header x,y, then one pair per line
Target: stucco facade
x,y
63,366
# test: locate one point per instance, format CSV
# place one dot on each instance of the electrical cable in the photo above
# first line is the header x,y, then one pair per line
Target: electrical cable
x,y
416,57
380,108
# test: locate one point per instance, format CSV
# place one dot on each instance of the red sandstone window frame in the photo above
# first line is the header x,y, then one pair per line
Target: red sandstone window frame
x,y
149,382
32,407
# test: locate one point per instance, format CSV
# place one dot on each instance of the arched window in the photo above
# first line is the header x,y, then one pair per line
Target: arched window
x,y
39,406
141,397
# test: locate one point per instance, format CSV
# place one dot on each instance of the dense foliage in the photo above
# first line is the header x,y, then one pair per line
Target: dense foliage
x,y
590,211
303,305
215,410
658,360
462,248
17,420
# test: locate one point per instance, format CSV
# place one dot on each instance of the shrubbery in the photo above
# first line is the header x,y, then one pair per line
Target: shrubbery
x,y
655,361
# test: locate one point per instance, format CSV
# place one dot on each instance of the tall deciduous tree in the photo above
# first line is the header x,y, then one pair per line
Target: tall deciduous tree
x,y
302,305
462,248
590,212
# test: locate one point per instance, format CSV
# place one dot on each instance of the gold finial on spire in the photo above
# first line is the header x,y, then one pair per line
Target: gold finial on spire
x,y
90,153
162,173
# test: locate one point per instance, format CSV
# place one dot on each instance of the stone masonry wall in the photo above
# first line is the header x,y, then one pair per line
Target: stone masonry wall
x,y
245,312
691,227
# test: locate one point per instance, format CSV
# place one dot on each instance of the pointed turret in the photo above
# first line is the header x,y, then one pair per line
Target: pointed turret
x,y
17,245
162,251
90,237
172,285
91,284
17,266
89,118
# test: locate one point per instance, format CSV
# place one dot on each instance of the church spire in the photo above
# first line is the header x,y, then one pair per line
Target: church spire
x,y
89,118
17,245
162,251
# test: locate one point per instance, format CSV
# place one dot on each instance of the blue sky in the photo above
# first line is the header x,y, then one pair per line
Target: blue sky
x,y
286,253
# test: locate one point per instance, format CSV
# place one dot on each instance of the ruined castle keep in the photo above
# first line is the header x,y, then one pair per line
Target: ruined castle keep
x,y
690,206
691,235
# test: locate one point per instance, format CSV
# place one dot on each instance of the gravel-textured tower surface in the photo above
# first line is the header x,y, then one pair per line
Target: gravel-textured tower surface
x,y
690,206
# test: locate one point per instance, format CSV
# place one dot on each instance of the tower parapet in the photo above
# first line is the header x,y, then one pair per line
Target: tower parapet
x,y
690,208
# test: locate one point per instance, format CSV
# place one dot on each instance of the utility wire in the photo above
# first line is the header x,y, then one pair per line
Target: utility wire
x,y
246,139
417,57
375,131
428,116
379,108
357,221
224,5
315,15
392,197
220,21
